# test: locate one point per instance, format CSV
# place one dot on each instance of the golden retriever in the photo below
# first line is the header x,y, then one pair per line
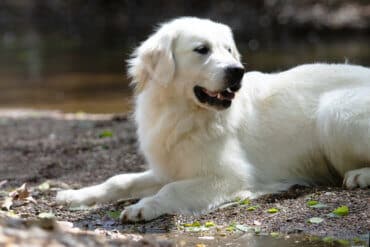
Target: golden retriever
x,y
210,132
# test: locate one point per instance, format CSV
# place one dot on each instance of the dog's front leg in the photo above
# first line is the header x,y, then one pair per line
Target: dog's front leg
x,y
124,186
186,196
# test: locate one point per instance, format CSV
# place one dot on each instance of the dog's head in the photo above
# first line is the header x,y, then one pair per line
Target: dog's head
x,y
190,57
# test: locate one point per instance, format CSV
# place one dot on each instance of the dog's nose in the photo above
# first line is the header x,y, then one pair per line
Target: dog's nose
x,y
234,75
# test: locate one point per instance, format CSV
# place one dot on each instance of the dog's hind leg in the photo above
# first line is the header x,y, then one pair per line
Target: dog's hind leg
x,y
344,129
124,186
357,178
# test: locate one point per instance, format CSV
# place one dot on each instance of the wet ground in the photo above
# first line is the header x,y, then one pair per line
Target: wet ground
x,y
51,151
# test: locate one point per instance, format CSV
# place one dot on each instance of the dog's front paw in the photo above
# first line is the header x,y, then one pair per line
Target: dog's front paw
x,y
145,210
357,178
74,198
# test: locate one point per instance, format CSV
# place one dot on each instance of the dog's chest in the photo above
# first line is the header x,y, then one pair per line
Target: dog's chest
x,y
179,150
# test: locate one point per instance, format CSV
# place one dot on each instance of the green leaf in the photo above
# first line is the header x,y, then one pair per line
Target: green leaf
x,y
312,203
359,241
106,134
257,230
245,202
243,228
343,242
315,220
196,229
209,224
319,205
230,228
46,215
252,208
274,234
272,210
194,224
114,214
44,186
328,239
341,211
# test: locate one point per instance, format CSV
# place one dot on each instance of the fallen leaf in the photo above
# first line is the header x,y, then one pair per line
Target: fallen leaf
x,y
328,239
196,229
257,230
343,242
341,211
257,223
200,245
231,227
20,193
319,205
12,214
7,203
244,228
46,215
209,224
106,134
272,210
44,186
274,234
315,220
245,202
3,182
206,237
252,208
65,224
194,224
312,203
114,214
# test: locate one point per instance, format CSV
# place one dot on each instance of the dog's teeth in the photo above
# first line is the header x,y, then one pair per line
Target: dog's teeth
x,y
219,96
229,90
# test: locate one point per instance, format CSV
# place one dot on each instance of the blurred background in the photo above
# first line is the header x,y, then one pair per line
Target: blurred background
x,y
70,54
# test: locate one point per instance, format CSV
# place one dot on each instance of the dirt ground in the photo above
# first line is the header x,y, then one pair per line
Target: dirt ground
x,y
51,151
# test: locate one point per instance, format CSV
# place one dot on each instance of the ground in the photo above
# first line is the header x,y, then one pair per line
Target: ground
x,y
50,151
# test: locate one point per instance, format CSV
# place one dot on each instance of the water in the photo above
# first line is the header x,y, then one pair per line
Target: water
x,y
55,72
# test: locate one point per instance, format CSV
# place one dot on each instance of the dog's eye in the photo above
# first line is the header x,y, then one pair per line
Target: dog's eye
x,y
202,49
229,50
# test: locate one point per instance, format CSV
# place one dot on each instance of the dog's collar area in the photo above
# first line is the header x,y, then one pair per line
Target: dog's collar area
x,y
219,100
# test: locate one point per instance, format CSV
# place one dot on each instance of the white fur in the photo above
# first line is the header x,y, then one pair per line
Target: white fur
x,y
309,125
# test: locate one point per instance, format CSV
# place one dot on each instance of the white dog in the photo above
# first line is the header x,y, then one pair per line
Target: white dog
x,y
210,132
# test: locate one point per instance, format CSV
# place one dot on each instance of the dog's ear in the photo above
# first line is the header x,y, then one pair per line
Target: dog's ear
x,y
153,61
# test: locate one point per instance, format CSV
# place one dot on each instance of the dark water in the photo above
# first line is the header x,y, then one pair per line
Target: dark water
x,y
53,72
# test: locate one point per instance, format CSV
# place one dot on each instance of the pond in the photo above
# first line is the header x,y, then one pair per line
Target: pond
x,y
55,72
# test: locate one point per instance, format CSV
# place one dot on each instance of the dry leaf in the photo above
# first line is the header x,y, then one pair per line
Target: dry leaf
x,y
7,203
20,193
3,182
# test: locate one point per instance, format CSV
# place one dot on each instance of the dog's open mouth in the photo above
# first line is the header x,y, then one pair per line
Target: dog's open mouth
x,y
221,99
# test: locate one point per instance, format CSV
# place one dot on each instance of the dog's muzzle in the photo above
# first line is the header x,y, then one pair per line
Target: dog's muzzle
x,y
222,99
